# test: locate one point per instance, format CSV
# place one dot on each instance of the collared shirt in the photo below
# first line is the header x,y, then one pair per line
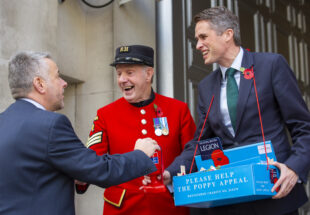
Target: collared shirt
x,y
223,105
34,103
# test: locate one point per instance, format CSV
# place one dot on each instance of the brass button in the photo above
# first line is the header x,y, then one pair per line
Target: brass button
x,y
144,132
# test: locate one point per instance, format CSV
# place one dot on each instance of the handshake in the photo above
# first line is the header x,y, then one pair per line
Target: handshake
x,y
147,145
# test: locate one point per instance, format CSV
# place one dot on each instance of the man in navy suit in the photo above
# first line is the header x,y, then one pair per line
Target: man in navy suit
x,y
236,121
40,155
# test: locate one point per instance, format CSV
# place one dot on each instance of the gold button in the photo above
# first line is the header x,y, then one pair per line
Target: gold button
x,y
144,132
143,121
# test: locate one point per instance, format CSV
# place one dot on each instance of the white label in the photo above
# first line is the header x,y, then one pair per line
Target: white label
x,y
261,149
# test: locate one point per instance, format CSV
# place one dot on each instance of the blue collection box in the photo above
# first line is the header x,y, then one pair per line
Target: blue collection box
x,y
244,179
249,154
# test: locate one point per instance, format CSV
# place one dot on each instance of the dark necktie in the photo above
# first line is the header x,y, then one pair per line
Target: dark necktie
x,y
232,96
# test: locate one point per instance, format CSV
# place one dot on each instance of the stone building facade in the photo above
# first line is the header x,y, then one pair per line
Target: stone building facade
x,y
82,40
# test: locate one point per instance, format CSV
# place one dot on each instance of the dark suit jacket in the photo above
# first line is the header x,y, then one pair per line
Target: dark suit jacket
x,y
40,155
282,106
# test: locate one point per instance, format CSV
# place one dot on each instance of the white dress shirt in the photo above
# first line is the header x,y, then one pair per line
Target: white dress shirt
x,y
34,103
223,104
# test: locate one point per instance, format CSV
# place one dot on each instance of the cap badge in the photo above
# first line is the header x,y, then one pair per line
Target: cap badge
x,y
124,49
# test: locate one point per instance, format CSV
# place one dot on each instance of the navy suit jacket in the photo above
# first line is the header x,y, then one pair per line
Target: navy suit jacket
x,y
40,156
282,107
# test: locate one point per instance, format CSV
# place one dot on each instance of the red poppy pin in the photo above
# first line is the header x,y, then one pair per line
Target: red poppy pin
x,y
247,73
158,110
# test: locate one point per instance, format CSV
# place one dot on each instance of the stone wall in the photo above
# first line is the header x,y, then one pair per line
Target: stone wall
x,y
82,40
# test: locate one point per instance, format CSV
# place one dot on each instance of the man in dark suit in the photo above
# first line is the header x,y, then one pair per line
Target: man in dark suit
x,y
40,155
234,114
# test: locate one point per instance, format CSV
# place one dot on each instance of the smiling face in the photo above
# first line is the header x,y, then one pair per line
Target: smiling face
x,y
212,45
134,81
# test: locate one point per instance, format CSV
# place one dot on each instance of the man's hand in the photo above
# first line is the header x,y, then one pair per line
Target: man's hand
x,y
287,180
146,180
166,178
147,145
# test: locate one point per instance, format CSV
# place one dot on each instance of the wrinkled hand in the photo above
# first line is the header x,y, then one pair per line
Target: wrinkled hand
x,y
166,178
288,179
147,180
147,145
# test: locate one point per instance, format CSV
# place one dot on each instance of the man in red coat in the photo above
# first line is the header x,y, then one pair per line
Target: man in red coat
x,y
138,114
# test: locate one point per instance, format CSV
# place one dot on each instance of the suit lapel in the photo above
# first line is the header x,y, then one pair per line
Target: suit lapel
x,y
244,88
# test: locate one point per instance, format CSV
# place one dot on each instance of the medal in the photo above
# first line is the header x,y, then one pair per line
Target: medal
x,y
165,131
157,127
160,123
158,132
164,125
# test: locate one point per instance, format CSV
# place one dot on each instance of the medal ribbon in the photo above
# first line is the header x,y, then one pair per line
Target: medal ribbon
x,y
157,123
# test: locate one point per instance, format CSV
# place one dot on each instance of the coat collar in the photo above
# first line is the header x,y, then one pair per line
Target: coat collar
x,y
145,102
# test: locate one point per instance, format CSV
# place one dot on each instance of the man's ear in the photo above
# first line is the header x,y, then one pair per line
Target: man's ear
x,y
150,73
229,34
39,85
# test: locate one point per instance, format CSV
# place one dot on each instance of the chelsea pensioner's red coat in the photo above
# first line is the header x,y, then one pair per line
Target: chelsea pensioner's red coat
x,y
116,128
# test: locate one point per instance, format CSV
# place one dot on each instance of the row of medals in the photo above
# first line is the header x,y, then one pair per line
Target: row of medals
x,y
163,131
